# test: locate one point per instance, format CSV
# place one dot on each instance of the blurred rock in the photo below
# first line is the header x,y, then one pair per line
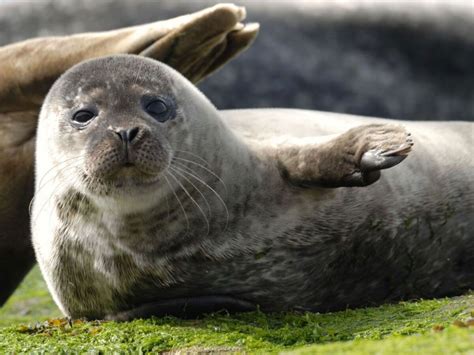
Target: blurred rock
x,y
397,59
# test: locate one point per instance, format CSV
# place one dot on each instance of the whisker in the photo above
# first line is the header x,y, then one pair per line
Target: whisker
x,y
179,201
193,200
138,73
40,211
203,167
57,166
194,155
40,188
193,185
210,188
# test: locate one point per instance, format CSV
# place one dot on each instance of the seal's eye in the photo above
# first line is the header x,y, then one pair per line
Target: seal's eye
x,y
160,110
82,117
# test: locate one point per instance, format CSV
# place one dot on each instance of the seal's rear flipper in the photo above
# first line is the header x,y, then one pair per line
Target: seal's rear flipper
x,y
194,44
354,158
205,41
189,307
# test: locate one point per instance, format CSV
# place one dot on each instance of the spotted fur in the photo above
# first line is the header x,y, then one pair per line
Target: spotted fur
x,y
206,210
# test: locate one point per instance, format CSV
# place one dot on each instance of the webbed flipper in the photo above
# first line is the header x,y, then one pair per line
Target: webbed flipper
x,y
353,158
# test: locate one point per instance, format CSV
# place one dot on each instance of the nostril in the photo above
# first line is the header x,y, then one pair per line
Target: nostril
x,y
122,135
132,133
127,136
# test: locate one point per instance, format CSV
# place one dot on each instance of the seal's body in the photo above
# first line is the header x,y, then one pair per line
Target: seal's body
x,y
150,201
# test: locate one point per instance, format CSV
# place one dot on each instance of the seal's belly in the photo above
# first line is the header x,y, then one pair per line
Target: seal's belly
x,y
310,264
314,265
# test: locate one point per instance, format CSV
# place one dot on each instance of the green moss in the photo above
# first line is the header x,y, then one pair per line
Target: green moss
x,y
450,341
400,328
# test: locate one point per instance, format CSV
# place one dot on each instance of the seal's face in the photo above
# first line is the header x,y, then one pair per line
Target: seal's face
x,y
115,125
126,141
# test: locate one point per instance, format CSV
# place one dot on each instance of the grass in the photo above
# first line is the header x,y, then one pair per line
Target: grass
x,y
30,322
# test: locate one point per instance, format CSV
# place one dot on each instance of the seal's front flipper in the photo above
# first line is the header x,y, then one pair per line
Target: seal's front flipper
x,y
354,158
189,307
377,147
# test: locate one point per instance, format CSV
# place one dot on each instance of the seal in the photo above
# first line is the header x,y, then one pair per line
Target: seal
x,y
195,44
150,201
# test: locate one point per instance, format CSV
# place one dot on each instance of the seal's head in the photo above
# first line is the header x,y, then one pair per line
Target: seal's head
x,y
114,123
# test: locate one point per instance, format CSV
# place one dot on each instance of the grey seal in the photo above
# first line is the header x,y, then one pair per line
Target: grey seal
x,y
150,201
195,44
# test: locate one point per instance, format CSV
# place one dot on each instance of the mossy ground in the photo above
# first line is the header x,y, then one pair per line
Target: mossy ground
x,y
28,323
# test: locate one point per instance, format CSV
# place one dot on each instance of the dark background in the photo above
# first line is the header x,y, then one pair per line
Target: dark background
x,y
398,59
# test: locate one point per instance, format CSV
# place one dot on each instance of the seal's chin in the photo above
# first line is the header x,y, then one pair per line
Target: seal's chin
x,y
129,176
127,180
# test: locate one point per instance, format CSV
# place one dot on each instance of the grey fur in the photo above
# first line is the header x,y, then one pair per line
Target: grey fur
x,y
250,235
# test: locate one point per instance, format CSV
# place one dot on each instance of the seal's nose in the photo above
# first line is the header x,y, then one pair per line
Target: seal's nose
x,y
127,136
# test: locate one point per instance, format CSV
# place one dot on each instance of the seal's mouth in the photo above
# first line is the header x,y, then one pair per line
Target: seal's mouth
x,y
130,175
135,183
125,181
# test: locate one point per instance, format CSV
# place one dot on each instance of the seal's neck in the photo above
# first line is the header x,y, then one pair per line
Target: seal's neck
x,y
214,160
198,194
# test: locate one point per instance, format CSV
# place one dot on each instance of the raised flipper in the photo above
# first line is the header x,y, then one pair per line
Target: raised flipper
x,y
189,307
354,158
194,44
